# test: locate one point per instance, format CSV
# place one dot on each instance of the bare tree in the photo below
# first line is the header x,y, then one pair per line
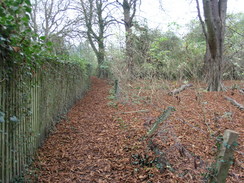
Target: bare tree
x,y
214,31
129,11
50,18
96,19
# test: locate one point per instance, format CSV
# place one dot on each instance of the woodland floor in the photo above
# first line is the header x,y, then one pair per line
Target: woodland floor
x,y
101,140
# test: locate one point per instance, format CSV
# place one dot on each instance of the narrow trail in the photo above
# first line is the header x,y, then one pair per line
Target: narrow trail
x,y
86,146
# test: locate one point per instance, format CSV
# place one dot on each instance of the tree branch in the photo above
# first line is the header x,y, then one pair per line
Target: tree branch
x,y
201,21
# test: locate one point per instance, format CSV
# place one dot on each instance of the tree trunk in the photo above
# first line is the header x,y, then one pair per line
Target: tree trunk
x,y
214,74
100,59
215,15
128,17
129,54
96,25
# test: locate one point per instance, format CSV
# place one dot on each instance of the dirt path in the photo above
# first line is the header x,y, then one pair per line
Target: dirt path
x,y
87,147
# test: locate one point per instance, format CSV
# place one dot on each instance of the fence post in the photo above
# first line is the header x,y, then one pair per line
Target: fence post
x,y
116,88
225,157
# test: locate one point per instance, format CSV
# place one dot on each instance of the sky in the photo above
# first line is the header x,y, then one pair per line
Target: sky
x,y
179,11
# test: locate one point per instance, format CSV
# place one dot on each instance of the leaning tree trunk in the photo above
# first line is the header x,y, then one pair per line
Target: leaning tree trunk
x,y
215,15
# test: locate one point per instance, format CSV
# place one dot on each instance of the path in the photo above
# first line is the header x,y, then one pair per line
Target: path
x,y
87,146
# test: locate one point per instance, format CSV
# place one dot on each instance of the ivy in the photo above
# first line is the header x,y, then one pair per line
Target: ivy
x,y
2,115
14,119
18,43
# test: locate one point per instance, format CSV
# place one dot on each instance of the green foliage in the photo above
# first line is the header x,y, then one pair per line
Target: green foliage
x,y
219,140
19,44
211,173
166,55
17,48
116,60
74,59
234,67
194,46
143,160
170,56
83,55
14,28
105,69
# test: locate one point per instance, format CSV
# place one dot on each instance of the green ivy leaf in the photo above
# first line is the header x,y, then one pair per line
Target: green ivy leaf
x,y
15,8
43,38
28,2
14,119
49,43
235,144
2,11
26,18
28,9
226,145
2,114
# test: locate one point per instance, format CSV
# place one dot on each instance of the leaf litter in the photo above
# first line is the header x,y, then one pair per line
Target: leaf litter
x,y
102,141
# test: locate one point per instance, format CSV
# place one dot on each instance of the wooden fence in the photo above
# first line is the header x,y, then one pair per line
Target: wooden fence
x,y
30,104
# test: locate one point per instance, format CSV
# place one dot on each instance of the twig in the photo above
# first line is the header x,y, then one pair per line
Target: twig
x,y
129,112
241,90
204,114
235,103
201,20
178,90
139,92
3,80
194,127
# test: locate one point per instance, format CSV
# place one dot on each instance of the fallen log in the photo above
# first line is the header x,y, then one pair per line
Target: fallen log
x,y
160,160
235,103
178,90
159,120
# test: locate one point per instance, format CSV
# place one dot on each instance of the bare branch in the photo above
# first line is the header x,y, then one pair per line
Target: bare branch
x,y
201,21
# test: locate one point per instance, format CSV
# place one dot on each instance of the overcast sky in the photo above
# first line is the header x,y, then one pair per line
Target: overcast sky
x,y
180,11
